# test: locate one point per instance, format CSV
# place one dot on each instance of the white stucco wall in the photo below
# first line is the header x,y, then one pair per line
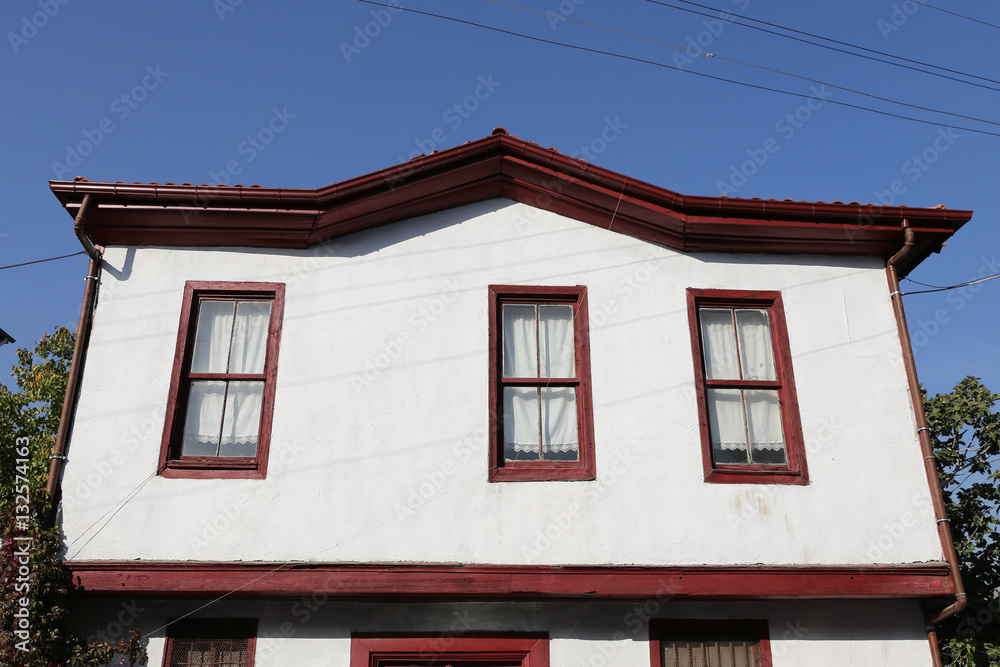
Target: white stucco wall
x,y
314,632
378,449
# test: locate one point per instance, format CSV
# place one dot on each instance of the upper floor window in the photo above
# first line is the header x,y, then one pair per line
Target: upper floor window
x,y
222,389
211,642
541,414
746,391
700,643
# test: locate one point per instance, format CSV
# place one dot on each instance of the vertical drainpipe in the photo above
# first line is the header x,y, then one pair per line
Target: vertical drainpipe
x,y
926,448
76,365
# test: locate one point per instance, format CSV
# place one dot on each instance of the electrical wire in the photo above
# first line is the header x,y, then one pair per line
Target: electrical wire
x,y
849,44
924,284
671,67
716,56
942,289
853,46
39,261
963,16
833,48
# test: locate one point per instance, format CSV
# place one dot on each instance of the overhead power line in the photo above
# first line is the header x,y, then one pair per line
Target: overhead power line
x,y
39,261
942,289
730,19
962,16
716,56
853,46
677,69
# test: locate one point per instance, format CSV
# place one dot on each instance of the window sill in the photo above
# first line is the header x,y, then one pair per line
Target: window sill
x,y
543,472
210,468
755,475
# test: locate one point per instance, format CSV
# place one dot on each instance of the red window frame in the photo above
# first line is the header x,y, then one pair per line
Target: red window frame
x,y
584,467
171,464
707,629
794,471
211,628
530,649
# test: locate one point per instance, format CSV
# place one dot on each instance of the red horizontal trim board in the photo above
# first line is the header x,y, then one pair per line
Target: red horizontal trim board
x,y
498,165
500,582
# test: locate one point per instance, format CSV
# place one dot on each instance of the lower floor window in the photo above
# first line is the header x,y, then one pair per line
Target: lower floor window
x,y
444,650
728,643
208,642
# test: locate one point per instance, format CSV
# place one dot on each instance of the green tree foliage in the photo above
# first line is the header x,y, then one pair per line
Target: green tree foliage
x,y
33,411
34,583
965,429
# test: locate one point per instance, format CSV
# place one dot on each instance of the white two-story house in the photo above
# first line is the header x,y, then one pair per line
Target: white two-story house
x,y
499,406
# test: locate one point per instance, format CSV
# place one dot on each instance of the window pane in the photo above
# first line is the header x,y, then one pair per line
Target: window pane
x,y
520,342
719,341
767,443
559,436
203,419
728,430
250,337
756,354
556,344
215,331
520,423
242,419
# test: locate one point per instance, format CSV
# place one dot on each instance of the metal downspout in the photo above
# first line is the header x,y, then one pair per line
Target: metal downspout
x,y
76,365
926,448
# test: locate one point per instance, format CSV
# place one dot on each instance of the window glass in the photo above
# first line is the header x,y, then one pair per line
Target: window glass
x,y
213,338
556,349
719,344
250,337
520,341
756,356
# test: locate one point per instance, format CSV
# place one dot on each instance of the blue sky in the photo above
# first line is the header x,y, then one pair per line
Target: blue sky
x,y
182,92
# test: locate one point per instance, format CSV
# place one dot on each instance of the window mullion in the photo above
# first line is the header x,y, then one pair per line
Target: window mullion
x,y
736,340
746,426
538,399
222,420
743,384
538,373
743,398
227,376
232,332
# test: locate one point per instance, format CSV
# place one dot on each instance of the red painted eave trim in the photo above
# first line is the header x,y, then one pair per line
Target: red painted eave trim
x,y
496,166
486,582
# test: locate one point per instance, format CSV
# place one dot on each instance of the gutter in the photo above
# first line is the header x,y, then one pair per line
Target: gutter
x,y
58,456
926,448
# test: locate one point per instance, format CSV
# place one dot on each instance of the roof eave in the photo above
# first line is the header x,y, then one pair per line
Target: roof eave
x,y
497,166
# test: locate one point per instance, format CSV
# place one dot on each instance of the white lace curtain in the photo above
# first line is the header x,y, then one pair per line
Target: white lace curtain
x,y
737,346
538,342
223,416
